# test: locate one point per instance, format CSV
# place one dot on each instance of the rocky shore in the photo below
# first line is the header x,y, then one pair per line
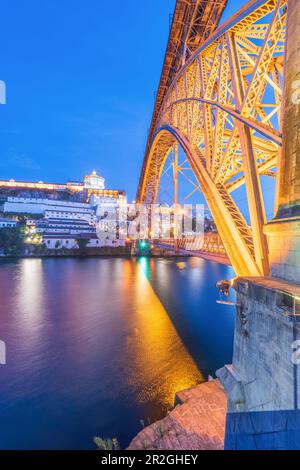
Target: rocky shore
x,y
197,422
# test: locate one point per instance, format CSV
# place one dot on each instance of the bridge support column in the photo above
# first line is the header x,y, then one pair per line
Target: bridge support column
x,y
263,381
284,231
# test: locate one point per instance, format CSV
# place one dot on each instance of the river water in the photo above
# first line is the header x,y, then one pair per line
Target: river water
x,y
96,345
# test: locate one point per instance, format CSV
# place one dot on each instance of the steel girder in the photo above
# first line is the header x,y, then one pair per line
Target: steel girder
x,y
224,108
192,23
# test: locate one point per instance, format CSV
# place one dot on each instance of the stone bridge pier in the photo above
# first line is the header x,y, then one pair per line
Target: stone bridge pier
x,y
263,381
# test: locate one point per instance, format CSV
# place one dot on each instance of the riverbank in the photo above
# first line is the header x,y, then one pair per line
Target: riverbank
x,y
35,251
70,253
196,423
97,252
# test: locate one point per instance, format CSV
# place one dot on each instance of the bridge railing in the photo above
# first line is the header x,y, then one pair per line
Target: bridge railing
x,y
210,243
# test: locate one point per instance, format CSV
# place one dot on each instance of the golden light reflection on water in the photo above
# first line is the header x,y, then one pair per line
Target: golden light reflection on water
x,y
91,340
155,363
30,290
160,361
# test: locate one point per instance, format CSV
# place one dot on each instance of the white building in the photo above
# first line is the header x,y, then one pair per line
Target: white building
x,y
61,240
49,208
8,223
74,213
94,181
70,219
108,203
66,226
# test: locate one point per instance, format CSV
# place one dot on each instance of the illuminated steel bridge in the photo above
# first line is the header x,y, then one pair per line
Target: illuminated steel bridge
x,y
220,99
208,244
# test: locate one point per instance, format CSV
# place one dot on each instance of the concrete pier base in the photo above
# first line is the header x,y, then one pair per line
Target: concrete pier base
x,y
265,430
262,383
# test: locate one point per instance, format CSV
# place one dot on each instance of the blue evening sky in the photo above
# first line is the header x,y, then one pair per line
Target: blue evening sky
x,y
80,78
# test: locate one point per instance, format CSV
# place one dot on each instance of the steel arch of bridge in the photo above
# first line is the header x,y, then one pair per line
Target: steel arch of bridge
x,y
224,109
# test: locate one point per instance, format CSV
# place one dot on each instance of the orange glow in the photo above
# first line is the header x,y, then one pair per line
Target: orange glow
x,y
60,187
39,185
105,192
154,342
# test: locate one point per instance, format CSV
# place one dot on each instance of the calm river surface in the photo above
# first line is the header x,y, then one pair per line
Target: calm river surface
x,y
96,345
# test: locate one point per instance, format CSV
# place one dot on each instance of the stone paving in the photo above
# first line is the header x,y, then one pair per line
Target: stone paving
x,y
196,423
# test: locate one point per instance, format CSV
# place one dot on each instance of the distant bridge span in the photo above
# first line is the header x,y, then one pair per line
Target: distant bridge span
x,y
221,101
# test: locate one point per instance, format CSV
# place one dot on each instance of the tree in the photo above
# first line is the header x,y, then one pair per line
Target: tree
x,y
82,245
12,240
40,249
107,444
57,244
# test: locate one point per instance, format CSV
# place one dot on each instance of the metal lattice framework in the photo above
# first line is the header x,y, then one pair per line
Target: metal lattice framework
x,y
224,109
211,244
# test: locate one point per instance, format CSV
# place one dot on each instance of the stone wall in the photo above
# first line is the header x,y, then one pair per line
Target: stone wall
x,y
284,248
289,186
263,382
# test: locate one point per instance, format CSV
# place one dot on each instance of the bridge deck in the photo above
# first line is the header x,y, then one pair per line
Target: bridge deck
x,y
217,258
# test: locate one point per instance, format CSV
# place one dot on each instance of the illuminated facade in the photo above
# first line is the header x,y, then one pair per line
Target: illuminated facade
x,y
93,185
8,223
63,210
48,208
94,181
69,242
